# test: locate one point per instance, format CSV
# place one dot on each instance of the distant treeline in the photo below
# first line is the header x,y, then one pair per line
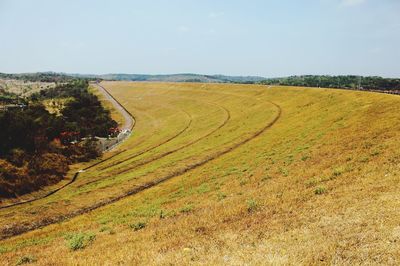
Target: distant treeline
x,y
183,77
347,82
40,77
36,146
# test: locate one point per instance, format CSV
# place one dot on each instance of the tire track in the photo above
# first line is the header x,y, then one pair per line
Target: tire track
x,y
14,230
141,153
156,146
150,160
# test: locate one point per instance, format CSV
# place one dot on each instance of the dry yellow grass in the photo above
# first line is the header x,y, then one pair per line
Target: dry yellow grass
x,y
24,88
318,187
54,106
108,106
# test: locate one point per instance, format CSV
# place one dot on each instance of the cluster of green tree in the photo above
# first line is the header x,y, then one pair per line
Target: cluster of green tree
x,y
39,77
33,152
348,82
84,114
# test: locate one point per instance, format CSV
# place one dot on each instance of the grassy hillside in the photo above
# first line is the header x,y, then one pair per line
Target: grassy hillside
x,y
228,174
115,115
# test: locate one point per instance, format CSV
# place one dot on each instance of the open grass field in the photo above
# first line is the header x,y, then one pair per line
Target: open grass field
x,y
24,88
227,174
108,106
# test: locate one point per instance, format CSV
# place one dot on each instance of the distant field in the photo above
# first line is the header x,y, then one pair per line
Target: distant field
x,y
228,174
24,88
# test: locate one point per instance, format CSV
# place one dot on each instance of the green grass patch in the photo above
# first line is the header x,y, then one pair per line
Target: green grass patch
x,y
76,241
320,190
252,205
187,208
137,226
26,260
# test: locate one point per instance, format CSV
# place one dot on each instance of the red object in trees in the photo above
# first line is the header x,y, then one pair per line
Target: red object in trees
x,y
114,131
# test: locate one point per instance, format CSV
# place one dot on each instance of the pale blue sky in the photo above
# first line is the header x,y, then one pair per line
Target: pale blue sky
x,y
233,37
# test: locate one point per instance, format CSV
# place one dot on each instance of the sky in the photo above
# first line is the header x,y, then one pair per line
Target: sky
x,y
233,37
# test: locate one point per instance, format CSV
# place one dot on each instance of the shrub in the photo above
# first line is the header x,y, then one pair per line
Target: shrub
x,y
91,150
13,180
50,164
25,260
320,190
17,157
252,205
305,157
337,172
79,240
137,226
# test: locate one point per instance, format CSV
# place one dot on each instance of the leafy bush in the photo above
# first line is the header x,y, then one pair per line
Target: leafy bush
x,y
17,157
338,172
137,226
49,163
10,175
78,241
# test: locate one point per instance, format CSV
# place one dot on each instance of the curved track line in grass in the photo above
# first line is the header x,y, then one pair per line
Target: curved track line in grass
x,y
150,160
227,118
75,176
168,140
156,146
11,231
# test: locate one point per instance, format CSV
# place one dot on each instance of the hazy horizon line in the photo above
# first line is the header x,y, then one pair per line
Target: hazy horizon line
x,y
193,73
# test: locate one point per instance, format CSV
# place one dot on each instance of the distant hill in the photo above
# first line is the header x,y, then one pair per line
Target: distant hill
x,y
185,77
39,77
